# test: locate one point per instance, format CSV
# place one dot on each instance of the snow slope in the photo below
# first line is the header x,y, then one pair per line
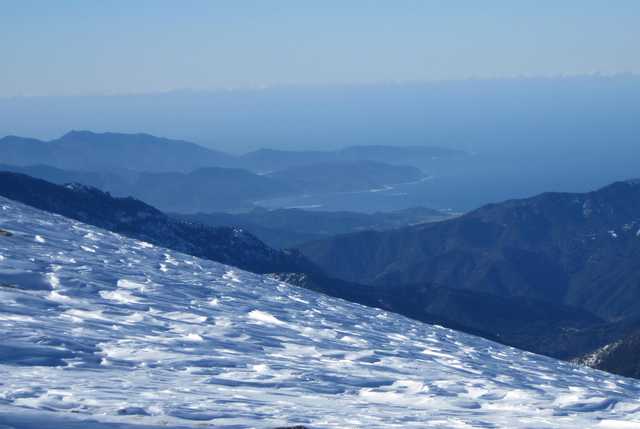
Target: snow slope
x,y
101,331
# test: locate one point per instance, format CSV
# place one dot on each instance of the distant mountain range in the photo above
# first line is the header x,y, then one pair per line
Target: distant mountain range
x,y
285,228
573,249
89,151
205,189
183,177
217,188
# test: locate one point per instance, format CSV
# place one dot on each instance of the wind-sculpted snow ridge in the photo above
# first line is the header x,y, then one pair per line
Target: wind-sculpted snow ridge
x,y
101,331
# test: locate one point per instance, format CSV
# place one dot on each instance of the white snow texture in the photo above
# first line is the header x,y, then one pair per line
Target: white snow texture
x,y
101,331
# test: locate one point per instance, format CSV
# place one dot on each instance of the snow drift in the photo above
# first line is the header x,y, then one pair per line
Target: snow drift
x,y
101,331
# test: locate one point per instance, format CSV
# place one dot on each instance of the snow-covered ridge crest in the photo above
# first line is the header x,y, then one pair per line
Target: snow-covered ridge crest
x,y
99,329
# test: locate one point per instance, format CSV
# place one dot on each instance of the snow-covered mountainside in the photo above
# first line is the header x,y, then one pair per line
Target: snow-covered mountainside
x,y
101,331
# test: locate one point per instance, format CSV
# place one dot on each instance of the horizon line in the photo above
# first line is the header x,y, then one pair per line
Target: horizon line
x,y
279,86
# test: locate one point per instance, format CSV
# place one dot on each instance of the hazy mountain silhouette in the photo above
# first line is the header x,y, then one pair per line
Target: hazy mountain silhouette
x,y
88,151
216,188
205,189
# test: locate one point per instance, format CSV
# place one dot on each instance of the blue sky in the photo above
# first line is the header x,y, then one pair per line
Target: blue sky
x,y
92,46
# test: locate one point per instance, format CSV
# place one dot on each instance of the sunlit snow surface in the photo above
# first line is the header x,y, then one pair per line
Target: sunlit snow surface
x,y
97,329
